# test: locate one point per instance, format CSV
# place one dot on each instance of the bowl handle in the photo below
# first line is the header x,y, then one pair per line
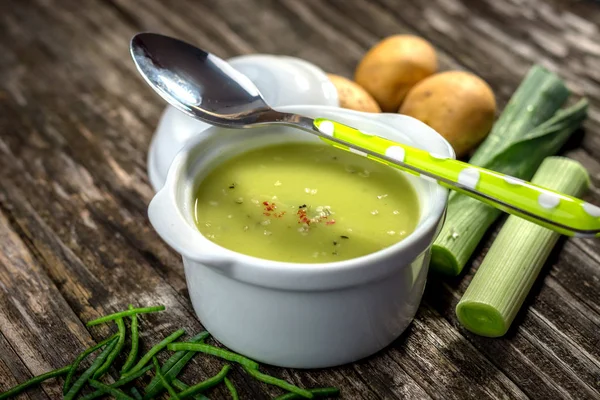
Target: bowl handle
x,y
172,227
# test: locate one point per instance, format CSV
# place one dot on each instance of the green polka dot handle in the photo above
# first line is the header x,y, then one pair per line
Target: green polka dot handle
x,y
559,212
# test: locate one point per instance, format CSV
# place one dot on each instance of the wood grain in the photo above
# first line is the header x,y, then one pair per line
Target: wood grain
x,y
75,243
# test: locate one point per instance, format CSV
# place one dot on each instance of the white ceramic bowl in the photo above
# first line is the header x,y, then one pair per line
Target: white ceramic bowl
x,y
300,315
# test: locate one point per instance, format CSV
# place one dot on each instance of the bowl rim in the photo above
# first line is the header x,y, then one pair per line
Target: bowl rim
x,y
282,274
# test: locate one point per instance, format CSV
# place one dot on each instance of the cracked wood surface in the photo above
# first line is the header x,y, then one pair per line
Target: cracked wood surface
x,y
75,242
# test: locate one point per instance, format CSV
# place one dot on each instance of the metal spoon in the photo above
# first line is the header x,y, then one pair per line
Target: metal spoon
x,y
207,88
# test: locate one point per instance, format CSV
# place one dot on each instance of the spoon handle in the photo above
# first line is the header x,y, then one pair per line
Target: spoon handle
x,y
559,212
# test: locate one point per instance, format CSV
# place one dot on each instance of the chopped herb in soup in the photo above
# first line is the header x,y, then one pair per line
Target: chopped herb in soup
x,y
305,203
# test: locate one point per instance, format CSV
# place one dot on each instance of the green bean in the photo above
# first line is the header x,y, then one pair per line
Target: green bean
x,y
34,381
165,383
319,392
120,382
206,384
123,314
231,388
134,343
278,382
87,374
111,358
215,351
116,393
148,356
173,366
135,393
80,358
182,386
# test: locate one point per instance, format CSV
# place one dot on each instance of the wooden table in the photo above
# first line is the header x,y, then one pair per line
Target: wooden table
x,y
75,242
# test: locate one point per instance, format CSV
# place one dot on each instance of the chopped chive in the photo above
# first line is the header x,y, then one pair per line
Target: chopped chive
x,y
319,392
124,314
182,386
134,343
173,366
215,351
148,356
80,358
231,388
111,358
34,381
87,374
135,393
105,389
268,379
165,383
119,383
206,384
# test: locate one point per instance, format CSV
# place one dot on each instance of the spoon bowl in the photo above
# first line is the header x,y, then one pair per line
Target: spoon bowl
x,y
196,82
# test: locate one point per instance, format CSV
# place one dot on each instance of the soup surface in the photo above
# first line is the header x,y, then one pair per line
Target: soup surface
x,y
305,203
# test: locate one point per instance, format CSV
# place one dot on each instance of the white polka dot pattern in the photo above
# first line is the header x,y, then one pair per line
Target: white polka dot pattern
x,y
429,179
513,181
566,215
327,128
395,152
548,200
360,153
438,156
591,209
469,177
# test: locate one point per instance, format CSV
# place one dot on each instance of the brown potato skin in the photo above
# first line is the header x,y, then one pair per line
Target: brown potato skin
x,y
457,104
352,96
393,66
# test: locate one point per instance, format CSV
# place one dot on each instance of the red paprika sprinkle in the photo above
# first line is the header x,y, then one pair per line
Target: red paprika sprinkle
x,y
330,222
269,206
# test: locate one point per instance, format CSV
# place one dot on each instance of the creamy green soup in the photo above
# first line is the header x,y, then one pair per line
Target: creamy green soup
x,y
305,203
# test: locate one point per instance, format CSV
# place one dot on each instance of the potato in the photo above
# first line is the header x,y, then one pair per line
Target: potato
x,y
457,104
353,96
393,66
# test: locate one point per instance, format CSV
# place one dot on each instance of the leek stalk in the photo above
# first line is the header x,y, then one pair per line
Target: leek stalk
x,y
516,257
529,130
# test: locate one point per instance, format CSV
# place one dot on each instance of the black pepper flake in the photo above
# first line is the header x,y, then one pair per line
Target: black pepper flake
x,y
334,253
334,243
302,206
334,158
232,186
344,237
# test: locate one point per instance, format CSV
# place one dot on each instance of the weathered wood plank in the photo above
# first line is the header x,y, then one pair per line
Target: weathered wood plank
x,y
72,175
13,372
30,336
